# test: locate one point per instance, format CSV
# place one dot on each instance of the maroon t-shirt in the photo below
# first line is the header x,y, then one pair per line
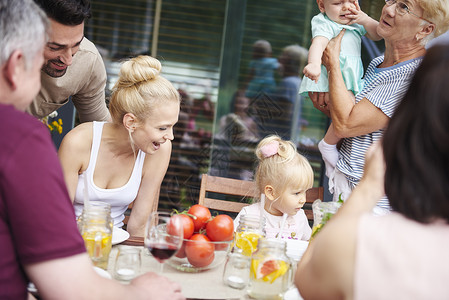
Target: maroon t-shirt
x,y
37,221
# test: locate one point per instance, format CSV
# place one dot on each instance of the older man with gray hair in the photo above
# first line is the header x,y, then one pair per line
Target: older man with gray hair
x,y
39,237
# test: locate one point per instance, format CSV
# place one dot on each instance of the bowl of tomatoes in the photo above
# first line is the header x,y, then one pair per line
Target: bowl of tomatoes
x,y
207,240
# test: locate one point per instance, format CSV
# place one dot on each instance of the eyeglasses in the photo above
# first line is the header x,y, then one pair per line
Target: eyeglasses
x,y
402,9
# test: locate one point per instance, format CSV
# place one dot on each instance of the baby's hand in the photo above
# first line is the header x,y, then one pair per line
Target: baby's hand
x,y
358,16
312,71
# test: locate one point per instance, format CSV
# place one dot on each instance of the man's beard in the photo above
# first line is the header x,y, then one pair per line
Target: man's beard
x,y
52,71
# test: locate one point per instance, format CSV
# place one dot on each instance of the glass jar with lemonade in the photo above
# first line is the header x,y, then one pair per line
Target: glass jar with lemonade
x,y
95,226
250,229
270,270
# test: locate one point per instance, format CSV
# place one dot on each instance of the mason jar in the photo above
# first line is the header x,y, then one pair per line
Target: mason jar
x,y
248,232
270,270
95,225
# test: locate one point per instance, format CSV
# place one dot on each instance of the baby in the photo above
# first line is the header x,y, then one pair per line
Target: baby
x,y
334,16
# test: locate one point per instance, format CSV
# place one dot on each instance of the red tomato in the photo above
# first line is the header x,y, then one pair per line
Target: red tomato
x,y
201,216
220,228
199,250
175,226
187,224
182,251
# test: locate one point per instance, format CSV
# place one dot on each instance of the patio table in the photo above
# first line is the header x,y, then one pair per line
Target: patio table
x,y
202,285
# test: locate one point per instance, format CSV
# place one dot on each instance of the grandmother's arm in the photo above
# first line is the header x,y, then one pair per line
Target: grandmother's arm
x,y
349,119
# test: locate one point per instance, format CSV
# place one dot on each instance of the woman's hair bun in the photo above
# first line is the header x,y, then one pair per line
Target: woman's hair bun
x,y
138,69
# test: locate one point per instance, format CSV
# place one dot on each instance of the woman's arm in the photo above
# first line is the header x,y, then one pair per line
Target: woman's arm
x,y
154,169
74,154
313,68
326,271
349,119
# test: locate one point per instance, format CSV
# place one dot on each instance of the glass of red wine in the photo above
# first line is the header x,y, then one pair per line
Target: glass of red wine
x,y
163,236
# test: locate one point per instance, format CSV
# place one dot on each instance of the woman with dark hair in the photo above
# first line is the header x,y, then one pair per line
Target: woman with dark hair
x,y
416,144
404,254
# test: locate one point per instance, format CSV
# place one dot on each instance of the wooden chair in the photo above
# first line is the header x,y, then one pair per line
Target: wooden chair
x,y
220,186
214,187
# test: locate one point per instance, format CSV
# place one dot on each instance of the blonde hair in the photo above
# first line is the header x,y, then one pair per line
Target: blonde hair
x,y
139,89
437,12
282,169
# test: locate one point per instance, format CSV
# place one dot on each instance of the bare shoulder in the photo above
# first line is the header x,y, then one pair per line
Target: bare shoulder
x,y
78,139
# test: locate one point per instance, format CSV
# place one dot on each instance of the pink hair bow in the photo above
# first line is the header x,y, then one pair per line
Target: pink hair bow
x,y
270,149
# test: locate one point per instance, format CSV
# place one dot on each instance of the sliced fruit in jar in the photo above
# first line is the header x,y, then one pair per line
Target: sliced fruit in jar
x,y
247,241
268,269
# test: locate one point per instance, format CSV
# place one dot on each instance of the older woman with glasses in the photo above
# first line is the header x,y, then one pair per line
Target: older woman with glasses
x,y
404,254
406,27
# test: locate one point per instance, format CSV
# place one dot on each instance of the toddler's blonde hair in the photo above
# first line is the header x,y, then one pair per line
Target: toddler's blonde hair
x,y
283,169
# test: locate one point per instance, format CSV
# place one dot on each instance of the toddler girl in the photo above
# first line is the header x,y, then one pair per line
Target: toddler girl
x,y
283,176
334,16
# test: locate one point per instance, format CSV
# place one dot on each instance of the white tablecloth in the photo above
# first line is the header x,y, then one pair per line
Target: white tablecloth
x,y
203,285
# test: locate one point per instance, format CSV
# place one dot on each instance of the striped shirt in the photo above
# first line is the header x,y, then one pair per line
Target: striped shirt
x,y
384,88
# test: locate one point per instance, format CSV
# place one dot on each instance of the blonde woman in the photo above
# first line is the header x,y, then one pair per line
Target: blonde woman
x,y
126,160
283,176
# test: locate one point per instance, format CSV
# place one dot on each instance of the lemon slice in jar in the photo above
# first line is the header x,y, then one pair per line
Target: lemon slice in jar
x,y
268,269
247,241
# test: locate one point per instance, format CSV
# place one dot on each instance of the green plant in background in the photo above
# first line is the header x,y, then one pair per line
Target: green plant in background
x,y
372,7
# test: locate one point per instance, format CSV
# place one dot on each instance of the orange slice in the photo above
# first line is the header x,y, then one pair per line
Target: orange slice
x,y
247,241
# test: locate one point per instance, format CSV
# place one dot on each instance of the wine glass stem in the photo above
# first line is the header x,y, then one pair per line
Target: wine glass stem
x,y
161,268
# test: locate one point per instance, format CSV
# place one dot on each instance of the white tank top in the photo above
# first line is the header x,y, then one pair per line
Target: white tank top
x,y
119,198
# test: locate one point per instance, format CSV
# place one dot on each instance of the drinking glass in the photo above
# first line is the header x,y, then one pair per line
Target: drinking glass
x,y
127,263
236,270
163,236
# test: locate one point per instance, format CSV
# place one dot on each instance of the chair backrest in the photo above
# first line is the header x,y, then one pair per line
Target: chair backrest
x,y
214,187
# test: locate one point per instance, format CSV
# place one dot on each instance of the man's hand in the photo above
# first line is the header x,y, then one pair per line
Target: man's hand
x,y
152,286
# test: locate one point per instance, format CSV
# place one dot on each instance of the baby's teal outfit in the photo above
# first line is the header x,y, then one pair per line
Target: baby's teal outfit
x,y
350,55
